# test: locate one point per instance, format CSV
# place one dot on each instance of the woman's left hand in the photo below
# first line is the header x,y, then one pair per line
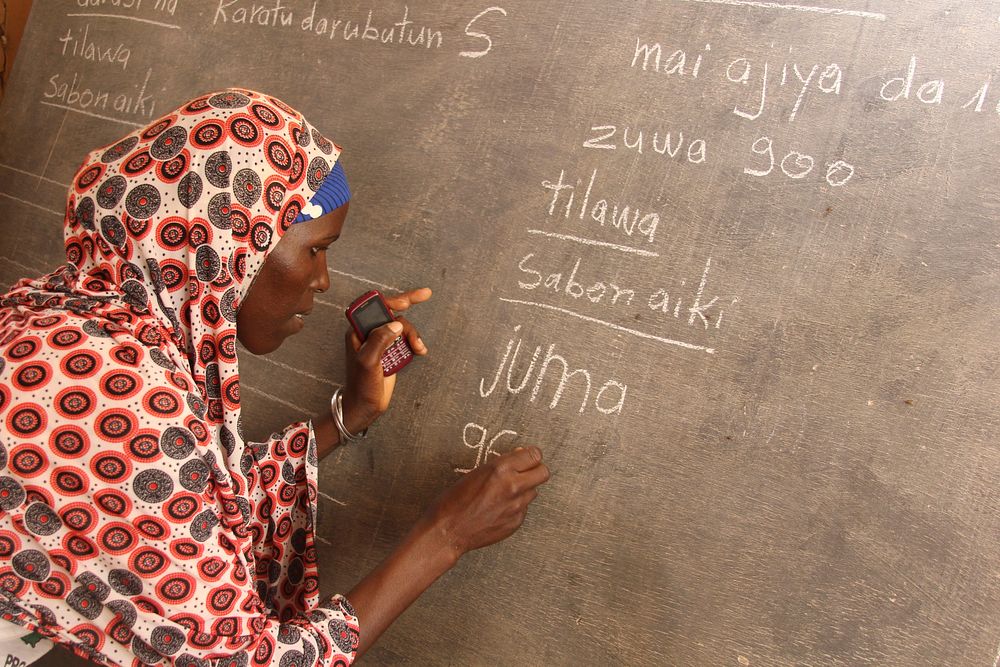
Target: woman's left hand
x,y
368,392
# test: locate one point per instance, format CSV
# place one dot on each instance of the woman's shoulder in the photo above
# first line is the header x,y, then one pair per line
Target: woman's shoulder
x,y
60,359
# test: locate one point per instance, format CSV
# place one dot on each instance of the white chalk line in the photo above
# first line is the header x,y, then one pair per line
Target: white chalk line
x,y
18,264
640,334
331,498
52,150
127,18
603,244
28,173
252,390
299,371
88,113
32,204
329,303
365,280
797,8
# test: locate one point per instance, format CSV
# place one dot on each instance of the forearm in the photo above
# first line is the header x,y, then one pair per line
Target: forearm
x,y
424,555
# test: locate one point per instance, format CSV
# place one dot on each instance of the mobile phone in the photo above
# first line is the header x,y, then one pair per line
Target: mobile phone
x,y
367,313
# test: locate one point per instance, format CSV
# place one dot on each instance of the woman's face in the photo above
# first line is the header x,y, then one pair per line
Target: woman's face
x,y
282,294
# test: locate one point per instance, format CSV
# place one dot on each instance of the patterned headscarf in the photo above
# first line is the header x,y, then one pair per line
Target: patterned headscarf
x,y
179,217
165,231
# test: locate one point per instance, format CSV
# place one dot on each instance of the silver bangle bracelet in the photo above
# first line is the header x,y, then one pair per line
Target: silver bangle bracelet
x,y
337,410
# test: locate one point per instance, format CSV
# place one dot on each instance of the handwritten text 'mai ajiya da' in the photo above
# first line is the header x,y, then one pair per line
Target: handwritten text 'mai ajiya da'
x,y
784,85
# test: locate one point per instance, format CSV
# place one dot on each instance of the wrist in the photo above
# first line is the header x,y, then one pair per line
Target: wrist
x,y
357,417
438,541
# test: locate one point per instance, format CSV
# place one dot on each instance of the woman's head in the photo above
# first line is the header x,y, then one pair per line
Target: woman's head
x,y
182,215
172,225
281,296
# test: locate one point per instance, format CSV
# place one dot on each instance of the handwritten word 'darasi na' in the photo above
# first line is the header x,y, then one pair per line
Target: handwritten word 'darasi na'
x,y
117,4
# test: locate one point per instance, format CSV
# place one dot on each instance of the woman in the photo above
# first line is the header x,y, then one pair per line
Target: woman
x,y
135,522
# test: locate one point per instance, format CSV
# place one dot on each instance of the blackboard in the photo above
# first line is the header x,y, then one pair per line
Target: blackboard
x,y
764,233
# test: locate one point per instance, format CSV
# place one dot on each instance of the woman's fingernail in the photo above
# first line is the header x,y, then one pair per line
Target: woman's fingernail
x,y
396,327
421,345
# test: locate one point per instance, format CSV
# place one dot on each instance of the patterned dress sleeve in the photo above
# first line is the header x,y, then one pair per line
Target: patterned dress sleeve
x,y
132,534
283,494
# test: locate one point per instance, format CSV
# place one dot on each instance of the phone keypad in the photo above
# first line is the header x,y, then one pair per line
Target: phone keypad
x,y
398,355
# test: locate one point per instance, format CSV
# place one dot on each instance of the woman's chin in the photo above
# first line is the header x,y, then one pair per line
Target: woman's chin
x,y
259,346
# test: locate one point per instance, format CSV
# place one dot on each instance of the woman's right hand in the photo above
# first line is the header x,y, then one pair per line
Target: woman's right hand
x,y
484,507
490,502
368,391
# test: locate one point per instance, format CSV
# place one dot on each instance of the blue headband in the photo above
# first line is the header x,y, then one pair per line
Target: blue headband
x,y
332,194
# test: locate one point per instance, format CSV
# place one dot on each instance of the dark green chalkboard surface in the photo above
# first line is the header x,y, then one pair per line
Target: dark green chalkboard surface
x,y
732,265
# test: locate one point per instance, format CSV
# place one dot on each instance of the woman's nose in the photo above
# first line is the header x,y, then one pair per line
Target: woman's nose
x,y
322,281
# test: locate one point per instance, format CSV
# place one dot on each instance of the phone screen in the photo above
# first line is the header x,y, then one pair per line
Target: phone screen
x,y
371,316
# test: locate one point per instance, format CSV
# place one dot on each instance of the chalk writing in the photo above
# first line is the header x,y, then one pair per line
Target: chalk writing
x,y
616,327
977,100
827,81
476,437
77,44
764,78
592,242
75,94
235,11
161,6
899,88
553,281
401,32
674,63
481,35
609,400
603,137
375,28
628,219
796,165
123,4
819,78
831,11
676,301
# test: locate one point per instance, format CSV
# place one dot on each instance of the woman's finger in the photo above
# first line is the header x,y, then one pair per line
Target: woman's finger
x,y
534,477
404,300
412,336
351,340
378,342
522,459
